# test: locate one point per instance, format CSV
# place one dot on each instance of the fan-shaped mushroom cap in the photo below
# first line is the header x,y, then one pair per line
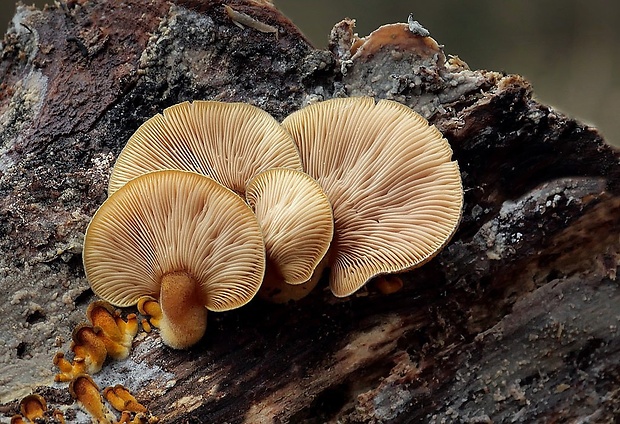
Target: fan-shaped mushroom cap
x,y
296,219
86,393
121,399
397,37
229,142
33,406
88,348
175,232
116,333
396,194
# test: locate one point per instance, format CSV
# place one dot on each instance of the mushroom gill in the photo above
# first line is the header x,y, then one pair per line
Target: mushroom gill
x,y
181,238
395,192
229,142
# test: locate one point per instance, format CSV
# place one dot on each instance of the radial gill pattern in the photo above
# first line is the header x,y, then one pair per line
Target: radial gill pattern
x,y
395,192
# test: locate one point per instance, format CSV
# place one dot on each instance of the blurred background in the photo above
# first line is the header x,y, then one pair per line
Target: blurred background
x,y
568,49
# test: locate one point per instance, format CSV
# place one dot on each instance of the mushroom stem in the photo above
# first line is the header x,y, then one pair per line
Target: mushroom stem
x,y
275,290
184,316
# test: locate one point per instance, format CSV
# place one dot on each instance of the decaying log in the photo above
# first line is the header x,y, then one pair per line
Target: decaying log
x,y
515,321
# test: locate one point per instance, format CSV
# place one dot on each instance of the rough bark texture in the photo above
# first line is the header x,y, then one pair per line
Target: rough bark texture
x,y
515,321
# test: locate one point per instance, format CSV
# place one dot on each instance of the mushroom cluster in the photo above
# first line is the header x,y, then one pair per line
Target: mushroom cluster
x,y
86,394
107,335
211,202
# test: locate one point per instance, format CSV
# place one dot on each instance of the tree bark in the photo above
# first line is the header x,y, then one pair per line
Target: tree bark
x,y
515,321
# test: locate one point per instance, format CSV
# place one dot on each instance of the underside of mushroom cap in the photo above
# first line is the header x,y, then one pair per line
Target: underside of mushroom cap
x,y
396,194
174,221
229,142
296,219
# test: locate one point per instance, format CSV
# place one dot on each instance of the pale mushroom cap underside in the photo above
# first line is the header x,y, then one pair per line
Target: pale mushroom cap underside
x,y
174,221
396,194
229,142
296,220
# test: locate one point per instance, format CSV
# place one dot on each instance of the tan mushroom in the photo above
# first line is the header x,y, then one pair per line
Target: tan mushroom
x,y
89,350
229,142
122,400
139,418
59,416
116,333
398,40
387,284
149,307
86,393
395,192
92,344
275,290
67,370
33,406
182,238
297,223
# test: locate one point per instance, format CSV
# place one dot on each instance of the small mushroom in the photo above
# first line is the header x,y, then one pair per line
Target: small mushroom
x,y
181,238
125,418
388,284
121,400
67,370
33,406
398,39
116,333
88,347
86,393
58,415
395,192
146,325
18,419
297,222
139,418
148,306
89,353
275,290
229,142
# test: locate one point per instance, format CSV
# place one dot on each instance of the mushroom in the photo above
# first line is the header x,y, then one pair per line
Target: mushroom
x,y
275,290
116,333
86,393
88,348
33,406
91,345
297,223
66,368
396,194
121,400
398,40
229,142
388,284
181,238
89,353
149,307
139,418
59,416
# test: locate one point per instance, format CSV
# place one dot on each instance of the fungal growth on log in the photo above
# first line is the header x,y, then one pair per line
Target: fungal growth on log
x,y
182,238
187,115
298,225
229,142
395,191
